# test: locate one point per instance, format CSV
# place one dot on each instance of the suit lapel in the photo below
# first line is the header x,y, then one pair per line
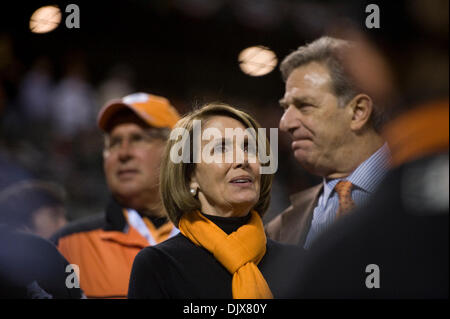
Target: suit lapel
x,y
298,221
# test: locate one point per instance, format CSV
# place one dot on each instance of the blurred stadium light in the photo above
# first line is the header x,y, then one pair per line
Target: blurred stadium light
x,y
257,61
45,19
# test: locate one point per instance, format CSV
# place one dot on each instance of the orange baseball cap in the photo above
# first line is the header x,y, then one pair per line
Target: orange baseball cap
x,y
154,110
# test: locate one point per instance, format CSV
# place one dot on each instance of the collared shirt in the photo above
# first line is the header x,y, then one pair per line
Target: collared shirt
x,y
365,179
137,222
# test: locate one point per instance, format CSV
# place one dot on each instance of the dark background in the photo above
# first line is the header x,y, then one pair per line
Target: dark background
x,y
186,50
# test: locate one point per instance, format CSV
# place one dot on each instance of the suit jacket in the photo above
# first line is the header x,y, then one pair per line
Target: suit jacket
x,y
293,224
400,232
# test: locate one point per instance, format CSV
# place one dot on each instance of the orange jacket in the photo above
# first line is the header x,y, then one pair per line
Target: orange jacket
x,y
419,132
104,250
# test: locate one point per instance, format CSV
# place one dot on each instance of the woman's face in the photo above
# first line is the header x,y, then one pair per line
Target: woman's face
x,y
227,189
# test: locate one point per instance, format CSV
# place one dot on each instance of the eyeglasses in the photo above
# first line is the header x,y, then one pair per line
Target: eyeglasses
x,y
146,136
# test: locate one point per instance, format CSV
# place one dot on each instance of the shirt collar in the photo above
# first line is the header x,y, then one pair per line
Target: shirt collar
x,y
367,176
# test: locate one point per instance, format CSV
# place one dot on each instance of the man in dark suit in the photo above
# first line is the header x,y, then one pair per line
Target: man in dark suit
x,y
335,128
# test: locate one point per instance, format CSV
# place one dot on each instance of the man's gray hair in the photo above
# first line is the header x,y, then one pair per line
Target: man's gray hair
x,y
330,52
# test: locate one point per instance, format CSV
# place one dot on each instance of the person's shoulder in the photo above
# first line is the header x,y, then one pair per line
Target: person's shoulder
x,y
30,249
166,253
32,267
155,267
297,199
85,224
173,250
173,245
289,225
32,244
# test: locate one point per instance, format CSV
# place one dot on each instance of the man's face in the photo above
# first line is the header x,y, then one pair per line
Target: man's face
x,y
318,126
132,157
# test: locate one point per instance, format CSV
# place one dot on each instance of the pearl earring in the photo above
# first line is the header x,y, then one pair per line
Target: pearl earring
x,y
193,191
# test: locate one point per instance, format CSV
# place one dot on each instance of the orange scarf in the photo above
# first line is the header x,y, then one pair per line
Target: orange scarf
x,y
238,252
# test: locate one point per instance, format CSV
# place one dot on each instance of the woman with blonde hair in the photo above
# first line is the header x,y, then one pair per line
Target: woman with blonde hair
x,y
222,250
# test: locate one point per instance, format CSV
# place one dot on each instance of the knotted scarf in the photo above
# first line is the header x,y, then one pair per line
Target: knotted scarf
x,y
238,252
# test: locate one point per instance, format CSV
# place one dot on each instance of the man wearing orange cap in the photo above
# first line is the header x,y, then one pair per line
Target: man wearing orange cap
x,y
103,247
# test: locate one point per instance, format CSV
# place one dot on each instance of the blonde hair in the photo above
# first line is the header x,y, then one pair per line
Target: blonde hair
x,y
175,177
